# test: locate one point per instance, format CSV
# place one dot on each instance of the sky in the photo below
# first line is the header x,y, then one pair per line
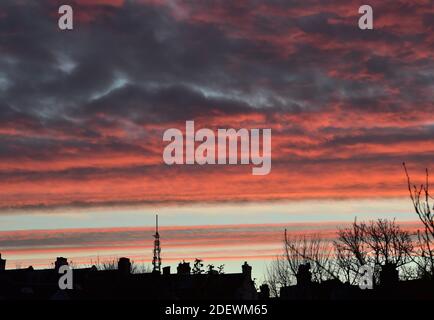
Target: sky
x,y
82,115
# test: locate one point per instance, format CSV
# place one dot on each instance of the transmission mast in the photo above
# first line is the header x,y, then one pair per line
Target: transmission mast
x,y
156,261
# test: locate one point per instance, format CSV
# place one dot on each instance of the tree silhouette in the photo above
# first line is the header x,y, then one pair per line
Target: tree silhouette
x,y
197,267
420,197
376,243
299,250
212,269
351,251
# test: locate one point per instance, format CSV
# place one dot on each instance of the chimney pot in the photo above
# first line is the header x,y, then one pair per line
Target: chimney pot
x,y
247,270
124,265
166,270
184,268
60,261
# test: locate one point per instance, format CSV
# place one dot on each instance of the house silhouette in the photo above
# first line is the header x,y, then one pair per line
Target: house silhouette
x,y
388,288
121,283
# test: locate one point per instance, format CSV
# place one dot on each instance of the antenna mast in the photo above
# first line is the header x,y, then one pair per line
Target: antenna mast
x,y
156,261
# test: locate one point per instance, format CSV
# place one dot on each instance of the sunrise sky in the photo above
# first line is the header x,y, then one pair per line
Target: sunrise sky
x,y
82,114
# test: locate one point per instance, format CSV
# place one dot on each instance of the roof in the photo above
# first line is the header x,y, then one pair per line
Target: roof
x,y
92,283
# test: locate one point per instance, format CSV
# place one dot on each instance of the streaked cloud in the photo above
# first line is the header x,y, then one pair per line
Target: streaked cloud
x,y
82,113
224,242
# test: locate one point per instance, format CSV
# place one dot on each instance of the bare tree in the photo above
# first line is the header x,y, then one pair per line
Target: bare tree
x,y
109,264
138,268
300,250
376,243
420,198
351,251
310,249
389,244
278,275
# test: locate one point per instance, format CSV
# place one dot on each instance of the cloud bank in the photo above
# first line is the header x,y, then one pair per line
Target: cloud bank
x,y
82,113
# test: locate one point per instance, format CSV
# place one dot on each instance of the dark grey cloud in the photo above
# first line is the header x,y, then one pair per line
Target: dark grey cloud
x,y
141,65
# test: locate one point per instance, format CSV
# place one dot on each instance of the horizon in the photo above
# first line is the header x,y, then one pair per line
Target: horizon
x,y
84,239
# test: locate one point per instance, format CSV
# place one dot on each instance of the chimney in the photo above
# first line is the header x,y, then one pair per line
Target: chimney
x,y
304,276
184,268
389,275
124,266
60,261
247,270
166,270
2,263
264,292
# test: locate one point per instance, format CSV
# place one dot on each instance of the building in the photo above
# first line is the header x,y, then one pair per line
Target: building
x,y
91,283
388,288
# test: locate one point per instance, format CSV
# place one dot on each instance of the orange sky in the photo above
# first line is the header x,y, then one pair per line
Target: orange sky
x,y
82,116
